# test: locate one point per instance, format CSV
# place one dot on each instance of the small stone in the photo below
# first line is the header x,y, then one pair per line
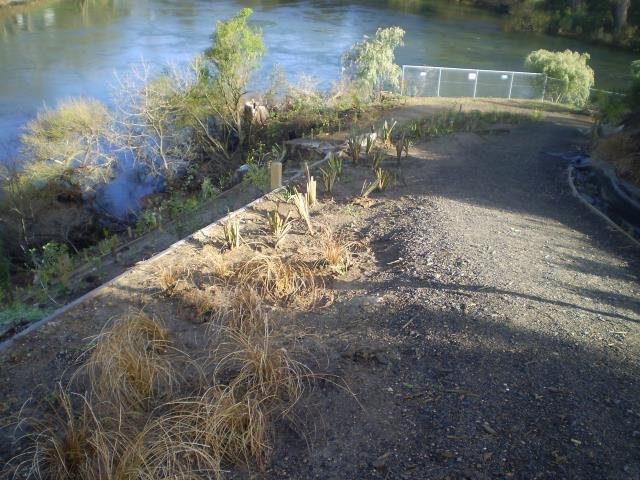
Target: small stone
x,y
380,463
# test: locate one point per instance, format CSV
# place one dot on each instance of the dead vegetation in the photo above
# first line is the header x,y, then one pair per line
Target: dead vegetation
x,y
152,411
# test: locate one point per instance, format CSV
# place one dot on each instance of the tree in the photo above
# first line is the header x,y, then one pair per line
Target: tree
x,y
372,61
570,78
235,53
621,13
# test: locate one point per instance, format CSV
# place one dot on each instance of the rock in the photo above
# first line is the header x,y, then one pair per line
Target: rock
x,y
380,463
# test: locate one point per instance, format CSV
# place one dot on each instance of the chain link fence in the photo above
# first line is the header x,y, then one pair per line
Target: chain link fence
x,y
419,81
468,82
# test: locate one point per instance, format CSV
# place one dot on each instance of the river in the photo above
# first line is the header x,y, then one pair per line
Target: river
x,y
56,49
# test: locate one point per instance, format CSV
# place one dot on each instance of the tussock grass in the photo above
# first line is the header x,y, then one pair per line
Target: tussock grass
x,y
198,305
267,372
337,255
244,311
129,362
171,278
279,280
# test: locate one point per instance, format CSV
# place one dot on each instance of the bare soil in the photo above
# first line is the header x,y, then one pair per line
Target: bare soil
x,y
487,329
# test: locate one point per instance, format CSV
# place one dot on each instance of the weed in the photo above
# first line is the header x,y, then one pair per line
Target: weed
x,y
208,190
108,244
51,263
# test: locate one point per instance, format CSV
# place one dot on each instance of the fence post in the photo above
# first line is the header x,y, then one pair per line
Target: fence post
x,y
544,88
276,175
439,79
475,86
402,84
513,74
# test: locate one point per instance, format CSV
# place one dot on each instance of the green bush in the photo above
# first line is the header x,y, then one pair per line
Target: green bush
x,y
372,61
570,78
634,91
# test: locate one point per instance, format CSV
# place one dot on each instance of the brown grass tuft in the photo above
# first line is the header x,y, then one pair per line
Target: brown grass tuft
x,y
128,363
279,280
337,255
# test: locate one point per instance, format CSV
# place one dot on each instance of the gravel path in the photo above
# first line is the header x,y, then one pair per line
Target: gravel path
x,y
504,338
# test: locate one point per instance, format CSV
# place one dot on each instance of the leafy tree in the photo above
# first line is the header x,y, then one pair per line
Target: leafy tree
x,y
570,78
372,60
235,53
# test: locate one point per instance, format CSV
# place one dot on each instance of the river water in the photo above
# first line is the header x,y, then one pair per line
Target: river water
x,y
63,48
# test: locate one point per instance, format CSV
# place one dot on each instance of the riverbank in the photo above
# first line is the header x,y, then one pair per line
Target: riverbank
x,y
476,288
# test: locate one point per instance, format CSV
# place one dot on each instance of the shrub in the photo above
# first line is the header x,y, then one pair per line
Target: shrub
x,y
65,146
372,60
571,70
634,91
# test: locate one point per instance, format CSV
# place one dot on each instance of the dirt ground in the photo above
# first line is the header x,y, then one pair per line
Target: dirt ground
x,y
488,328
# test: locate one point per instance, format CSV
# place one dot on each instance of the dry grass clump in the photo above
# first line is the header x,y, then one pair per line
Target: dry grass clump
x,y
223,425
279,280
171,278
266,372
198,305
128,363
246,313
337,255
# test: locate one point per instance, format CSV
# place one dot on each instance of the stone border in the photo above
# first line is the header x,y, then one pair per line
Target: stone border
x,y
598,212
4,346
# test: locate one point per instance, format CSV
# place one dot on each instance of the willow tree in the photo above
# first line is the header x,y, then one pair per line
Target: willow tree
x,y
371,61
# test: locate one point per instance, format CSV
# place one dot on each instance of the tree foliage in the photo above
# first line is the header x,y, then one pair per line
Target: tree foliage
x,y
372,60
570,77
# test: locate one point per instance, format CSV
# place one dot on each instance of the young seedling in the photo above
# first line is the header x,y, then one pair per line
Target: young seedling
x,y
335,163
370,141
300,201
387,131
384,179
376,159
279,225
231,231
329,178
354,148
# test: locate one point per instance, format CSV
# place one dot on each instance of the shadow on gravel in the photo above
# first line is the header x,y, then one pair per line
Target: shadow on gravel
x,y
613,300
446,394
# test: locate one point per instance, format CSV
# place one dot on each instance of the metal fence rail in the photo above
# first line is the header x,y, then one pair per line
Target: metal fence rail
x,y
426,81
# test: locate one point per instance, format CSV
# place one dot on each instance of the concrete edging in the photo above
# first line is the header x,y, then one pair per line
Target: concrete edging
x,y
4,346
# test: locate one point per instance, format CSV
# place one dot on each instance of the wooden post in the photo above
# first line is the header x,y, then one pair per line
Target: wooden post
x,y
276,175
